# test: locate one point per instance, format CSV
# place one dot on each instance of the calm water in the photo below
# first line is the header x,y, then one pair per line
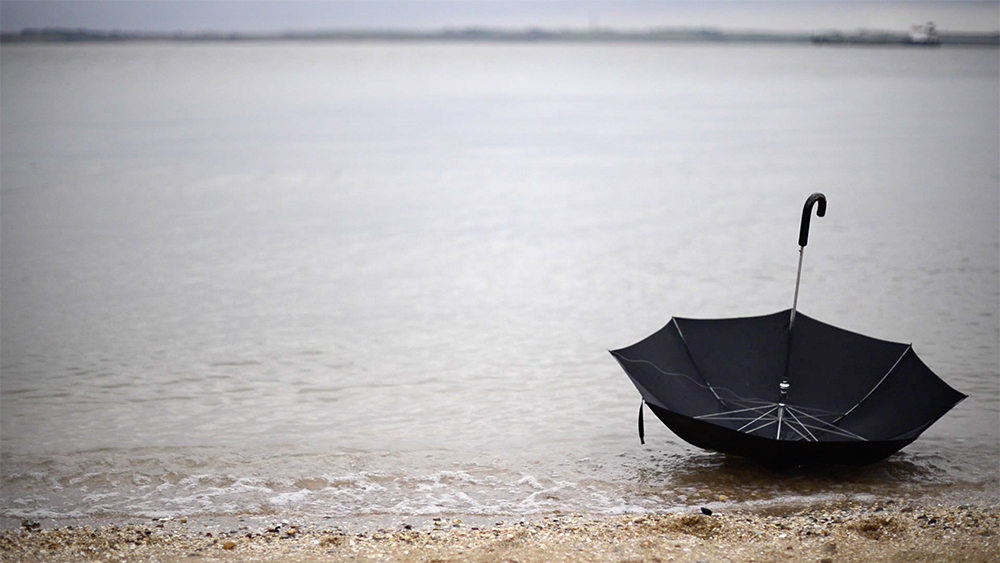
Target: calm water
x,y
382,279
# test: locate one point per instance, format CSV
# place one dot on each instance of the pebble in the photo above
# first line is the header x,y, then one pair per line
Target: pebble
x,y
228,544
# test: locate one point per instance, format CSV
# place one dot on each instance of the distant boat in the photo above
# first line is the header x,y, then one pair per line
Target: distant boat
x,y
924,35
919,35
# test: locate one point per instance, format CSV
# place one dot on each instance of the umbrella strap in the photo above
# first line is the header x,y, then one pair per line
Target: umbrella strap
x,y
642,428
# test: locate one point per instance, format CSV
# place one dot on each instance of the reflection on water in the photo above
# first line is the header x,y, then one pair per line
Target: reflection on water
x,y
382,278
714,480
745,479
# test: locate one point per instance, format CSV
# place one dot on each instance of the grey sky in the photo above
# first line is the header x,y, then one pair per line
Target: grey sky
x,y
269,15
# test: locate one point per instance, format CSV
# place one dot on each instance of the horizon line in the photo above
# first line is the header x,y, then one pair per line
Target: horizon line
x,y
487,28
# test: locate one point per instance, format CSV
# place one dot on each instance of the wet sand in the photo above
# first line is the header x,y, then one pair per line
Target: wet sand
x,y
829,533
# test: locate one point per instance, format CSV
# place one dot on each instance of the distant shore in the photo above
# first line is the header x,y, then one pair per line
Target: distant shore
x,y
882,531
676,35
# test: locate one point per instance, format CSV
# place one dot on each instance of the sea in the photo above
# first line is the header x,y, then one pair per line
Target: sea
x,y
343,281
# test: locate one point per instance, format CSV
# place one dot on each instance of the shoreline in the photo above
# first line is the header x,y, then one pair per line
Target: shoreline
x,y
664,35
830,532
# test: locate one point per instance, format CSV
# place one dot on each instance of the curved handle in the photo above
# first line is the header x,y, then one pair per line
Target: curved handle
x,y
807,214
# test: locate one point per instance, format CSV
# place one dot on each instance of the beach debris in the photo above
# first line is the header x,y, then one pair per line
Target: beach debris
x,y
877,527
706,511
31,524
228,544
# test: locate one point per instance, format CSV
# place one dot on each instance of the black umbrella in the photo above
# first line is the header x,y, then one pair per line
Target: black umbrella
x,y
785,389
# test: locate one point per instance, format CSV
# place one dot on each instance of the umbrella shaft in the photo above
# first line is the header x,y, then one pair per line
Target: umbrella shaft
x,y
795,301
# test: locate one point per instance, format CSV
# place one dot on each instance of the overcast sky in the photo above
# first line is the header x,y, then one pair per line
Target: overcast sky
x,y
278,15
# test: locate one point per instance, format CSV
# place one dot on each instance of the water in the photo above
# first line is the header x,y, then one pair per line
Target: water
x,y
355,280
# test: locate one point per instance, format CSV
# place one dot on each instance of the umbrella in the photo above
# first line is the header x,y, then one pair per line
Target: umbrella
x,y
785,389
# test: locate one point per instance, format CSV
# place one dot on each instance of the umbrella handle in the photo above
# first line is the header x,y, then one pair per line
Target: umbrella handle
x,y
803,240
807,214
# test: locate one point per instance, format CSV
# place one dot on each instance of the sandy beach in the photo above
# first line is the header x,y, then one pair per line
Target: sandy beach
x,y
829,533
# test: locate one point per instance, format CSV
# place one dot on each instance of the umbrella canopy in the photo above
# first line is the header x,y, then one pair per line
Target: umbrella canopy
x,y
785,389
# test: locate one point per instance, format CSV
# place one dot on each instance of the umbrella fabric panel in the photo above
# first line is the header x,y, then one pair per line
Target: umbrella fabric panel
x,y
742,359
909,399
832,369
661,369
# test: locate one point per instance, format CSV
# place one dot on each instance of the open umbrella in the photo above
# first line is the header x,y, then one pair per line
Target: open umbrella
x,y
785,389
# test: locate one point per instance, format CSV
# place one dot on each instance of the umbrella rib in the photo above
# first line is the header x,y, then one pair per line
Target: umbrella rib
x,y
821,412
677,327
740,399
756,419
788,423
692,380
804,427
820,420
728,418
664,372
830,427
762,426
733,412
838,432
863,399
